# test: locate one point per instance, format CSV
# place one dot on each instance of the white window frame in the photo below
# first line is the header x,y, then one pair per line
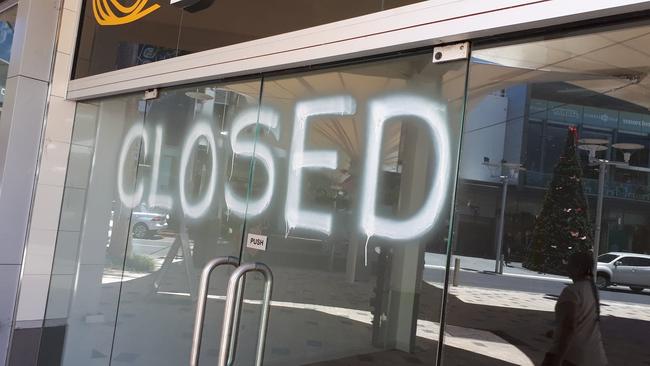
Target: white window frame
x,y
422,24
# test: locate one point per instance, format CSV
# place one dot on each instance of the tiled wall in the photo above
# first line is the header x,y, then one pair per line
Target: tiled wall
x,y
36,126
51,178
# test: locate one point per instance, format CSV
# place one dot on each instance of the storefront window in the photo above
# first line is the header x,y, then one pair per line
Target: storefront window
x,y
385,235
554,138
90,255
7,26
160,31
534,146
508,270
348,175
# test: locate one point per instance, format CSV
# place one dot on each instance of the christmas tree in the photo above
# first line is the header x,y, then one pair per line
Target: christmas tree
x,y
563,226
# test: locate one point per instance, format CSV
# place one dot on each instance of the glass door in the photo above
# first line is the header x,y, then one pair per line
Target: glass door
x,y
350,207
340,181
188,208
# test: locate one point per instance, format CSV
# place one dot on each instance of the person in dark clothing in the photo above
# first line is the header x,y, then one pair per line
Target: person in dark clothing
x,y
577,339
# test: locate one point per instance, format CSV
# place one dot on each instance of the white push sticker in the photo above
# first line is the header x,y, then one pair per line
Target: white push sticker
x,y
255,241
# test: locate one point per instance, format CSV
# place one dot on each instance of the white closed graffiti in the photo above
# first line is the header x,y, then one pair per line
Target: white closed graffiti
x,y
249,118
380,111
299,159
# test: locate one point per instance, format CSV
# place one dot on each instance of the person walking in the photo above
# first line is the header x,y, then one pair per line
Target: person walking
x,y
577,340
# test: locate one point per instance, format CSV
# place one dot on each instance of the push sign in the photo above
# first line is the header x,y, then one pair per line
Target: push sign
x,y
257,242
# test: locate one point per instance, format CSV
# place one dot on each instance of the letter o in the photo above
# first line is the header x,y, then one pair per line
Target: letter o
x,y
130,200
197,210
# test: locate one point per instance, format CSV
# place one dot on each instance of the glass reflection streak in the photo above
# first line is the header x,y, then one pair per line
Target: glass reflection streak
x,y
381,110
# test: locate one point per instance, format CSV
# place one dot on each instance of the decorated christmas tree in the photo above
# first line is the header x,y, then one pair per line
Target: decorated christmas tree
x,y
563,226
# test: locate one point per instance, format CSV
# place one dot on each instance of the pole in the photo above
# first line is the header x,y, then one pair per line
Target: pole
x,y
498,268
602,169
456,272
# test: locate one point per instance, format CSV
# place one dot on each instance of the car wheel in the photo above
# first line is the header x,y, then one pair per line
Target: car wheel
x,y
602,281
636,289
140,231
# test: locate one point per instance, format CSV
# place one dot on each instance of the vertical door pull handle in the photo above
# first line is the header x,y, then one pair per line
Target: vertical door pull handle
x,y
234,298
201,303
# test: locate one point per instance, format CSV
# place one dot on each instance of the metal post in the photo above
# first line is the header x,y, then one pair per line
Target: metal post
x,y
602,169
456,272
498,268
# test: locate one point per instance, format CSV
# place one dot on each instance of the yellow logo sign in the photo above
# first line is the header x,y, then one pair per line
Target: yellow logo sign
x,y
116,14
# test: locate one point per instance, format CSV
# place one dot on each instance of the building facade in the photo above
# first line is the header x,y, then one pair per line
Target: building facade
x,y
379,166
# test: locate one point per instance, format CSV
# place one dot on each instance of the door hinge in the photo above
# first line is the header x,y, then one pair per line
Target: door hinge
x,y
150,94
450,52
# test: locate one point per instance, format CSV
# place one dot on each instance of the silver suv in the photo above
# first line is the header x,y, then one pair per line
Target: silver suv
x,y
627,269
147,223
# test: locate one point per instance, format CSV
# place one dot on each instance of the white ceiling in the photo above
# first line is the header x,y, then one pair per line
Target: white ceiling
x,y
614,63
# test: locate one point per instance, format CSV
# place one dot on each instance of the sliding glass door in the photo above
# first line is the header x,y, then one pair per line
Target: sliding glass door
x,y
337,182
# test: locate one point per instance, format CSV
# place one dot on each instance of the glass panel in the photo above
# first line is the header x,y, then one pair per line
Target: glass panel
x,y
355,169
643,262
554,139
94,224
359,162
534,147
535,202
188,173
220,25
105,47
7,27
167,31
606,258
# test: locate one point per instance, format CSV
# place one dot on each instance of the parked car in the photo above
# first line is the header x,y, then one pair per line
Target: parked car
x,y
625,269
148,223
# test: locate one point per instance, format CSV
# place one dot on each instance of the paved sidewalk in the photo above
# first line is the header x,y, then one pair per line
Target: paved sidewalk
x,y
434,260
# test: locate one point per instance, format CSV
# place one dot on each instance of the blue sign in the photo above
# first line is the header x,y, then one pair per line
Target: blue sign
x,y
592,116
600,117
635,122
562,112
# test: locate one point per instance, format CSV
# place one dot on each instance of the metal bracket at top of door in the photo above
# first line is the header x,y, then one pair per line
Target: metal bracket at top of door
x,y
450,52
150,94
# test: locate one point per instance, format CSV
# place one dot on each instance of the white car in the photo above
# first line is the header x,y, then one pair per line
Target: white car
x,y
148,223
626,269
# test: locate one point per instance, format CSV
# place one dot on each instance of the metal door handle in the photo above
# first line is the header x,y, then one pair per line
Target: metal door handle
x,y
233,298
201,303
